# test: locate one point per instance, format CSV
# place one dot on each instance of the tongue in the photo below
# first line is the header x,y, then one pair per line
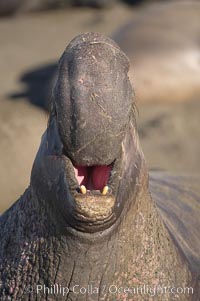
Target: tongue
x,y
100,176
93,177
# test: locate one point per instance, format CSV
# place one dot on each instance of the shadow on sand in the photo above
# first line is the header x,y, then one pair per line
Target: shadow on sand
x,y
38,85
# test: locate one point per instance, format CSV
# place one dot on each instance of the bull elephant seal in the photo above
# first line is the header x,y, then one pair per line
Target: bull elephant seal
x,y
162,42
87,227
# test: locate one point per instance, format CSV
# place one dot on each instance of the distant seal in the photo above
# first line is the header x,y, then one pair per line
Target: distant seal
x,y
16,6
162,42
87,227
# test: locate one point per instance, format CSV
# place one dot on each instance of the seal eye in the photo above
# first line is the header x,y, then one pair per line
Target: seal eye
x,y
93,177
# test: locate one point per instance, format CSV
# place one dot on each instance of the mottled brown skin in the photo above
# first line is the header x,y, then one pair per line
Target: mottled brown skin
x,y
162,42
55,235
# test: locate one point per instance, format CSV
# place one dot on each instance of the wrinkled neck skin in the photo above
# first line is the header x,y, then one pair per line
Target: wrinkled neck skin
x,y
131,252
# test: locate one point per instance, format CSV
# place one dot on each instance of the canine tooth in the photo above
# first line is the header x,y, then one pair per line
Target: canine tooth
x,y
104,190
83,189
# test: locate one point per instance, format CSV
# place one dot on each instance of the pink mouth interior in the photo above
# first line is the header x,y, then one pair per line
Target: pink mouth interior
x,y
93,177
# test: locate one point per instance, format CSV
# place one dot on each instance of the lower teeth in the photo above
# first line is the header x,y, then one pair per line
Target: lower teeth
x,y
104,191
83,189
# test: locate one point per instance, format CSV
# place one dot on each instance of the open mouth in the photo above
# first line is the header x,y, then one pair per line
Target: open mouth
x,y
93,178
94,192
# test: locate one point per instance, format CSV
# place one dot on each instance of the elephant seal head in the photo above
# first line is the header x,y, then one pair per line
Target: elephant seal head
x,y
89,159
